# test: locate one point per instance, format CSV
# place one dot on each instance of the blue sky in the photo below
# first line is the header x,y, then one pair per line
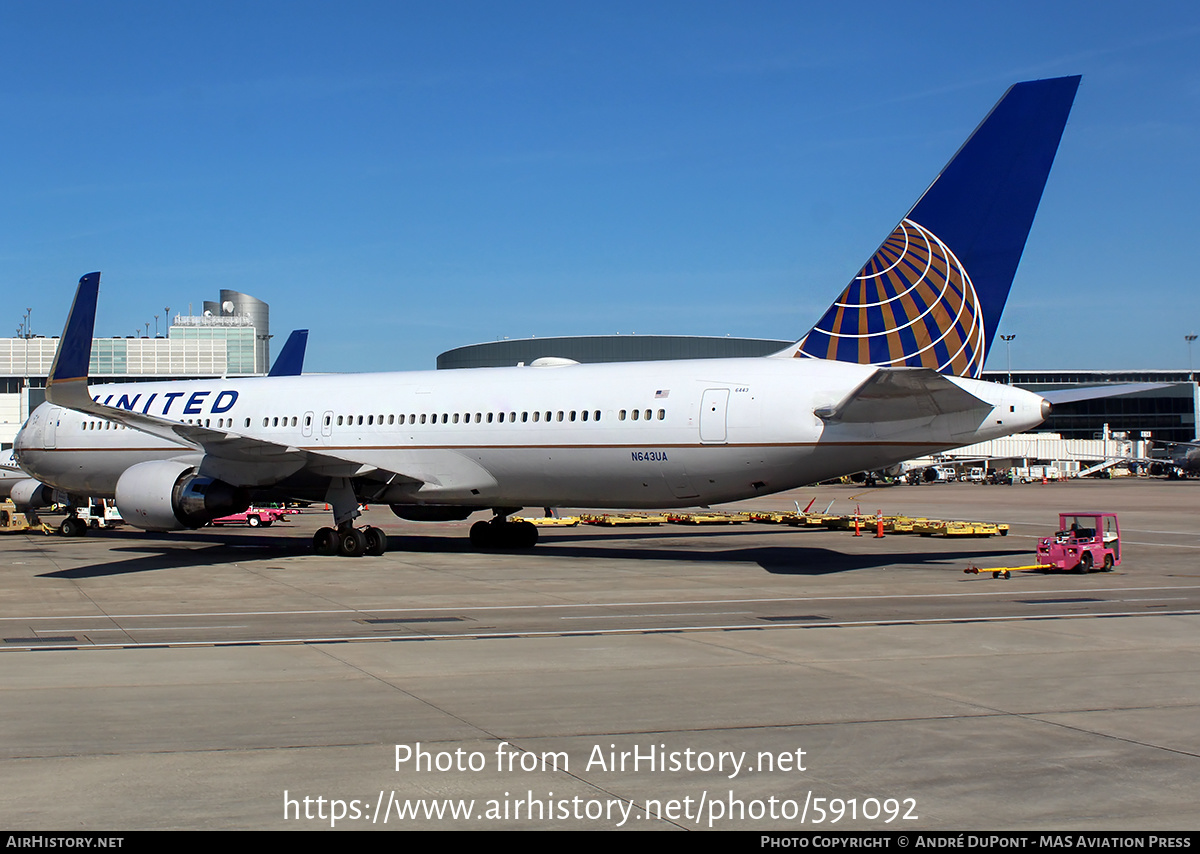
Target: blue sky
x,y
405,178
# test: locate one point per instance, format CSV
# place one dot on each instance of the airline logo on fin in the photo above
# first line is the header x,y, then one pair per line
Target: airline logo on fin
x,y
911,305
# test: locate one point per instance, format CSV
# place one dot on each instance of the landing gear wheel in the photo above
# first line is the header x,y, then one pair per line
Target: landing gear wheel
x,y
352,543
72,527
325,542
481,535
1085,563
504,535
376,541
527,535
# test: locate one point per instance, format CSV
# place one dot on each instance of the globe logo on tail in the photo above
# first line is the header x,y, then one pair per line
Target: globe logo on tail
x,y
912,305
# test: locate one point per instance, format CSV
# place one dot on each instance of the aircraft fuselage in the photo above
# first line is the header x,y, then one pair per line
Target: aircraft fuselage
x,y
648,434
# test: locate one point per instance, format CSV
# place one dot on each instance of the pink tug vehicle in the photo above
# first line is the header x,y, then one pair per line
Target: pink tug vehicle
x,y
254,517
1084,541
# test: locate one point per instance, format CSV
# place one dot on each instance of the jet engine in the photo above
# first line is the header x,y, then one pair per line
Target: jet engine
x,y
31,493
165,495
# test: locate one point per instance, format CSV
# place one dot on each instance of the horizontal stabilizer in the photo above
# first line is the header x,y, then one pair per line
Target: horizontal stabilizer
x,y
1071,395
901,394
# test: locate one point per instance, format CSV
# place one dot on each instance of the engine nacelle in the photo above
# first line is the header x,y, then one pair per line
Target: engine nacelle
x,y
166,495
31,493
432,512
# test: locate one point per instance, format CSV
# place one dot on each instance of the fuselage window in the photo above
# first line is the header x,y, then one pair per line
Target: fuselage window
x,y
445,418
360,418
634,415
266,421
422,417
247,422
621,415
662,414
536,417
391,419
596,415
340,420
524,417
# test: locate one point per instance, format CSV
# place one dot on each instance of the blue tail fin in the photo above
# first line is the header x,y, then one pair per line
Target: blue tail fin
x,y
931,296
290,361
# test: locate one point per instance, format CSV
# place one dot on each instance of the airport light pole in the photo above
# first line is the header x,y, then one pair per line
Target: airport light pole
x,y
1189,338
1008,339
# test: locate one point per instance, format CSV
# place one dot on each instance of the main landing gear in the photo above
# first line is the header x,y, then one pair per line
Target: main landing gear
x,y
349,541
345,539
499,533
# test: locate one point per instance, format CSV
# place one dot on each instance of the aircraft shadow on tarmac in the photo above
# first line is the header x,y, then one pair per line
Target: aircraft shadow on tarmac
x,y
148,552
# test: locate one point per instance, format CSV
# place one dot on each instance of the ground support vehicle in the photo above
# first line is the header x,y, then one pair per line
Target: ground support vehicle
x,y
14,522
1083,541
100,514
548,521
254,517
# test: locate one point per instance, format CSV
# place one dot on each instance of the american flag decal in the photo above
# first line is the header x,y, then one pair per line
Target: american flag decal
x,y
662,393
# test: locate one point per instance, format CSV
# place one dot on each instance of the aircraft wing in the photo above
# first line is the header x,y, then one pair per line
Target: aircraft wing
x,y
259,461
901,394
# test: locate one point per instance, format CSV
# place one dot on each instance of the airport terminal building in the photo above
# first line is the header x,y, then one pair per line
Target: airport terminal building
x,y
231,337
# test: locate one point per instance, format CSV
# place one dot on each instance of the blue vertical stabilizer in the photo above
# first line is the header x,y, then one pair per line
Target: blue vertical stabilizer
x,y
290,361
931,296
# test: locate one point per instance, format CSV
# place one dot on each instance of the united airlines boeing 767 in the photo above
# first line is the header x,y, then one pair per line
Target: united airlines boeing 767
x,y
889,373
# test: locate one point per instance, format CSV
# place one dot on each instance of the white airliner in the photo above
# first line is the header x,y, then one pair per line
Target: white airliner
x,y
887,375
